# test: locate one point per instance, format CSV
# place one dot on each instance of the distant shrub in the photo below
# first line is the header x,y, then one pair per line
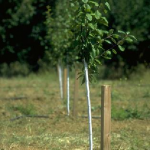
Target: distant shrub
x,y
4,69
45,67
124,71
14,69
138,71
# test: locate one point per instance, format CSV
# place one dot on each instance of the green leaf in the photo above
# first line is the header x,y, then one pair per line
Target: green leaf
x,y
111,31
133,37
99,40
95,3
116,36
72,5
104,21
114,51
107,5
91,58
87,8
99,32
84,1
129,40
89,17
83,80
97,52
93,52
106,57
101,48
98,61
101,5
92,35
98,15
79,14
121,48
122,32
108,52
105,11
104,31
120,42
113,40
107,41
91,26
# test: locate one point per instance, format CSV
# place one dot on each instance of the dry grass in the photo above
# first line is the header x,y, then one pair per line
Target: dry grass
x,y
39,95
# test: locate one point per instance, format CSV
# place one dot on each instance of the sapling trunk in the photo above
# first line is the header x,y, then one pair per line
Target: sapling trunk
x,y
68,94
60,80
89,104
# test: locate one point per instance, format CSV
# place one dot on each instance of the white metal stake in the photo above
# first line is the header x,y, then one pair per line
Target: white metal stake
x,y
89,105
60,80
68,96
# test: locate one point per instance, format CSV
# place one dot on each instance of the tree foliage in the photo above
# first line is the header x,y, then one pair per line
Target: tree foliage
x,y
132,16
59,34
92,41
23,32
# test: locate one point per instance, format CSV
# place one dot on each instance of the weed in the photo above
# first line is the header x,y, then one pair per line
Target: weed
x,y
147,94
24,109
126,113
116,95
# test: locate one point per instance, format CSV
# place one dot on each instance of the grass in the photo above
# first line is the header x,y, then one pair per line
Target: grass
x,y
28,109
39,95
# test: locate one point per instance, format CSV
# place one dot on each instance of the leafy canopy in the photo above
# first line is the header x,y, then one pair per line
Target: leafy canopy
x,y
93,40
59,33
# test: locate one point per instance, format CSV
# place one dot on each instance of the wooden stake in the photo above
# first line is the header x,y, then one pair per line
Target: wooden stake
x,y
65,83
105,117
76,87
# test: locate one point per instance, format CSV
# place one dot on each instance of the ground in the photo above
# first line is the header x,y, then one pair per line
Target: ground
x,y
44,125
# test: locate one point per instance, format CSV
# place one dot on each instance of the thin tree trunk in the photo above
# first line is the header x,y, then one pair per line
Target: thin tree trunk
x,y
89,105
60,80
68,94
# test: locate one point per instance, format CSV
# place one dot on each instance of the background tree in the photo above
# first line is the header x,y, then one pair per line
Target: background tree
x,y
131,16
60,35
23,30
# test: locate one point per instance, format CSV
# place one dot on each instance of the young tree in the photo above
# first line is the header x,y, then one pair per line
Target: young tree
x,y
60,37
93,42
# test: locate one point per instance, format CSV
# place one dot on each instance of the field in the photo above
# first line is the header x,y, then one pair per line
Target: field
x,y
33,117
